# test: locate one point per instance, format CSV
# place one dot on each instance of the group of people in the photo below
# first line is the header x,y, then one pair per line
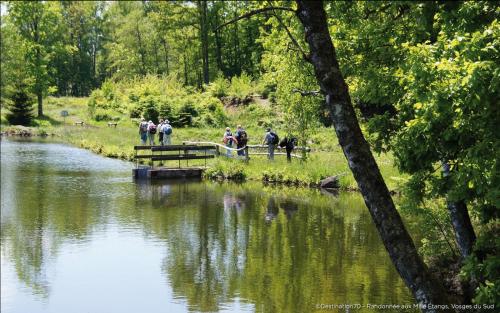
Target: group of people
x,y
148,130
271,139
240,139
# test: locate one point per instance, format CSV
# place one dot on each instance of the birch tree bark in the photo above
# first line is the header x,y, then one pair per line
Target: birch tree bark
x,y
393,233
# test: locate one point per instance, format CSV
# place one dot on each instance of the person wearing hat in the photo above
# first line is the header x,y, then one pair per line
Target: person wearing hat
x,y
269,140
143,131
151,132
160,131
228,140
167,133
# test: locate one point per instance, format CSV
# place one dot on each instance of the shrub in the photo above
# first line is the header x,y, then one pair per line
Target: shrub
x,y
241,86
108,90
135,111
165,109
149,108
21,108
219,87
103,115
91,105
96,101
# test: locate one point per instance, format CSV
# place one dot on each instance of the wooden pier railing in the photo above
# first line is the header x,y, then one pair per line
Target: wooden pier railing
x,y
247,148
177,152
202,150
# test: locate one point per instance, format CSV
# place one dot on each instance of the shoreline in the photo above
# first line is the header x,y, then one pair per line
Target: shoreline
x,y
30,132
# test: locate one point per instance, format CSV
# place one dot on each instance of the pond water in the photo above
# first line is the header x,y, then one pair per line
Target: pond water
x,y
79,235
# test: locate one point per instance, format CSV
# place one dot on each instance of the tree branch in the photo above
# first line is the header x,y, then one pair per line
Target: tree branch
x,y
294,41
253,12
304,93
382,9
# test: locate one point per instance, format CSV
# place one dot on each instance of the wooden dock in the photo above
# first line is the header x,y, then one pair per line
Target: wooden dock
x,y
172,153
190,150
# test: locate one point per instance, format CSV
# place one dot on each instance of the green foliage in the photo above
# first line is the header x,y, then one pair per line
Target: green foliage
x,y
149,108
287,70
21,107
105,115
436,65
235,172
241,86
36,26
156,97
429,71
218,88
484,265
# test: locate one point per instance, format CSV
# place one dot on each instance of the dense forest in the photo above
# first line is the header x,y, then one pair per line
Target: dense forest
x,y
73,47
421,77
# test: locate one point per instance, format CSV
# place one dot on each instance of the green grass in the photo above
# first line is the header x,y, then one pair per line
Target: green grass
x,y
326,159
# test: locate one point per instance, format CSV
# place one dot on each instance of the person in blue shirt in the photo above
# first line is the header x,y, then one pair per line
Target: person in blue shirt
x,y
269,140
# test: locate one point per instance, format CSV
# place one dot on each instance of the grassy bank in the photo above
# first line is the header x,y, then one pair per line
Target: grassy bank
x,y
325,160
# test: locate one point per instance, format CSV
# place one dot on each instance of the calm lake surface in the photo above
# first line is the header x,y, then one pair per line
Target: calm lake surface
x,y
79,235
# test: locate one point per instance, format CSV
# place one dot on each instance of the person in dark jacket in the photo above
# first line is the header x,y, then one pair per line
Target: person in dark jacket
x,y
160,131
289,143
242,139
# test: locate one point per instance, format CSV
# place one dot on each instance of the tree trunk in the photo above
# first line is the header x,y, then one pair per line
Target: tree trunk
x,y
460,219
39,100
202,7
38,60
377,198
157,59
185,70
236,64
464,232
218,44
164,42
141,49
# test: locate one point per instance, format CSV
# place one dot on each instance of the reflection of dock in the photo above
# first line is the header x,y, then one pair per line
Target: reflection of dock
x,y
164,172
172,153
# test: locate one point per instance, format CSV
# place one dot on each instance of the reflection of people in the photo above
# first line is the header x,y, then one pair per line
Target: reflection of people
x,y
233,202
155,191
290,207
228,201
272,209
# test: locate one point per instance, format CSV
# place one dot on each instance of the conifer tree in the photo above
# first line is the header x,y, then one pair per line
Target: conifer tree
x,y
21,108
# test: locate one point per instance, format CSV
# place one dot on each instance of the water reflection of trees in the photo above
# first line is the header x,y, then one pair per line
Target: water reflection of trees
x,y
46,209
281,252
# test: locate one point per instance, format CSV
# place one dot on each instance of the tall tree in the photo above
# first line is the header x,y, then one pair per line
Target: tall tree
x,y
203,18
37,24
394,235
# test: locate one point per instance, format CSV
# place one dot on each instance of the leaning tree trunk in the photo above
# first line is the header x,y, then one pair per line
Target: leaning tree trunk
x,y
389,224
462,226
460,219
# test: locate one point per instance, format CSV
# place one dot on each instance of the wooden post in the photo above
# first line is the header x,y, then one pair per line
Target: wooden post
x,y
247,157
217,150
